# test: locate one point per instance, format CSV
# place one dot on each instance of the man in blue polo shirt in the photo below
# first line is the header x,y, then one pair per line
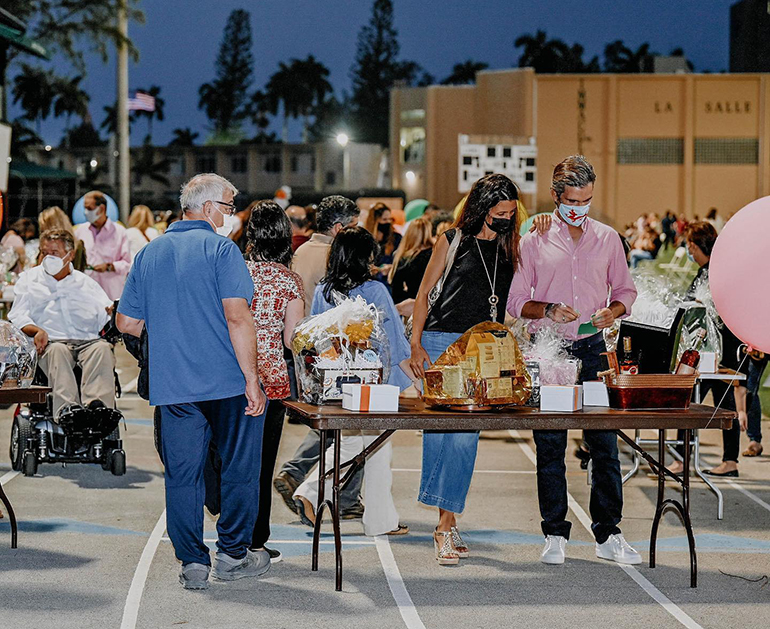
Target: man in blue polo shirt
x,y
192,291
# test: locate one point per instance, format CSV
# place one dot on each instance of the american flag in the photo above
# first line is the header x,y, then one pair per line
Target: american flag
x,y
141,102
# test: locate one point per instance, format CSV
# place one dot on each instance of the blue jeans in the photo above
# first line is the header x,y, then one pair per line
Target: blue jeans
x,y
187,429
606,505
753,382
448,458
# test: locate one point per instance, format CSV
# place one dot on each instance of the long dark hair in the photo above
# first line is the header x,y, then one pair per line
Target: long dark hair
x,y
486,193
268,234
350,259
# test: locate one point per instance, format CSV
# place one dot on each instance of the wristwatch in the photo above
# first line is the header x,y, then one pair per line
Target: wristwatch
x,y
548,308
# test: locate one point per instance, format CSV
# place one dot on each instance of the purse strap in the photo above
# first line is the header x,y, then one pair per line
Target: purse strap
x,y
451,254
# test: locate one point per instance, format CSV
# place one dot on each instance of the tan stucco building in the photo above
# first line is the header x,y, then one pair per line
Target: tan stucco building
x,y
685,142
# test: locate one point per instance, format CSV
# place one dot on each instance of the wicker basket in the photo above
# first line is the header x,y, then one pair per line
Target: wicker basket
x,y
659,391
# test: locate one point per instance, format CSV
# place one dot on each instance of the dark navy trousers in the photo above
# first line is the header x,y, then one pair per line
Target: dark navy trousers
x,y
187,430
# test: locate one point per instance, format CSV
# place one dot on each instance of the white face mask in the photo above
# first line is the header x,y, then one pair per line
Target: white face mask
x,y
92,215
53,265
228,225
574,214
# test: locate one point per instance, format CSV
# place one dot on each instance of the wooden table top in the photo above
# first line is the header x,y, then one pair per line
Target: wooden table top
x,y
413,415
17,395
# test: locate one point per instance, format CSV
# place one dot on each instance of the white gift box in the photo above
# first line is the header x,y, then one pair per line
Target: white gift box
x,y
561,398
708,362
595,393
365,398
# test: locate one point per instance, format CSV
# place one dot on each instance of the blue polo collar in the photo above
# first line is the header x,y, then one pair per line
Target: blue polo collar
x,y
184,226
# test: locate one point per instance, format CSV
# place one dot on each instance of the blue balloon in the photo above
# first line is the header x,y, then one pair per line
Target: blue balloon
x,y
79,214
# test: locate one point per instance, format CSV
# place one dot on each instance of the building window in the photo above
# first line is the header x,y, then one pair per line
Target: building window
x,y
238,163
206,163
176,166
331,178
412,145
272,163
491,151
413,115
507,151
294,163
650,151
726,151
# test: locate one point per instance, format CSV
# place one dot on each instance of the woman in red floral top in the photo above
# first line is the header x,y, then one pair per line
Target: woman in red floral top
x,y
277,307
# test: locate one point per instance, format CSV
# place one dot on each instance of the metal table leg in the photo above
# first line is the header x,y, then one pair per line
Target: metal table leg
x,y
636,458
11,517
698,470
322,503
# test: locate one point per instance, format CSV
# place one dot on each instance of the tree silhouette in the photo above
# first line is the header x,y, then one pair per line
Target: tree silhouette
x,y
184,137
144,165
225,100
154,91
70,99
621,59
22,138
552,56
465,73
35,90
329,117
83,135
110,122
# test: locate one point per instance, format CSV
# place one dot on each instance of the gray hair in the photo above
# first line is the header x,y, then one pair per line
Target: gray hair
x,y
574,171
202,188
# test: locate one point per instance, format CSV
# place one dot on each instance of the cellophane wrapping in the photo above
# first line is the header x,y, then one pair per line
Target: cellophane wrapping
x,y
346,344
484,367
548,349
18,357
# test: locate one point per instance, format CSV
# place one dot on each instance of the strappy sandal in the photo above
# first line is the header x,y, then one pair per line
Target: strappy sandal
x,y
401,529
446,555
461,548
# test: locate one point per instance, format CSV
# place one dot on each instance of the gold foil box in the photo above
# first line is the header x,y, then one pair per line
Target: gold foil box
x,y
483,368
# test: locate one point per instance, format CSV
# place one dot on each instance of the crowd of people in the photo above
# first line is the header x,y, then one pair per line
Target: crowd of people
x,y
236,283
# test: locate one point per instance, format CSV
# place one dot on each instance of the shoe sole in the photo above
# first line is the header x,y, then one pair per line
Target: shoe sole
x,y
286,492
625,563
194,586
240,575
550,562
300,511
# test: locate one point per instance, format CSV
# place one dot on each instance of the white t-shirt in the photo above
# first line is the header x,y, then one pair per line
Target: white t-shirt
x,y
136,240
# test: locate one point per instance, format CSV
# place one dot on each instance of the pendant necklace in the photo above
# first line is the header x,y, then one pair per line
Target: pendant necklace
x,y
492,280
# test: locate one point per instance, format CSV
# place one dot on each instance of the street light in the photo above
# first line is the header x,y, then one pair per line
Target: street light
x,y
94,163
343,140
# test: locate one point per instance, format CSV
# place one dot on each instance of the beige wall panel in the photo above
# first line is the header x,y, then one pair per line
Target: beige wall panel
x,y
650,107
643,189
727,107
504,102
727,188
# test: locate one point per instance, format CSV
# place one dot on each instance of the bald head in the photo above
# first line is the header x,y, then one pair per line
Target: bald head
x,y
298,217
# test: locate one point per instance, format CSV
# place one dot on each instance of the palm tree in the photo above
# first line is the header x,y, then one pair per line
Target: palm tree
x,y
22,138
465,73
33,89
184,137
110,122
314,76
552,55
146,166
621,59
70,99
154,91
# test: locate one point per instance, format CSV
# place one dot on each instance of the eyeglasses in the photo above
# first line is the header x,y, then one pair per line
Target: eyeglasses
x,y
231,207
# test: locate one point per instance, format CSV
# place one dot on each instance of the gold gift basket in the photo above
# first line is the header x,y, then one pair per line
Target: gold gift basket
x,y
482,369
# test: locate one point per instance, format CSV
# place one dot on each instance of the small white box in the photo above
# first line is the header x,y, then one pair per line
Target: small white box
x,y
365,398
561,398
595,393
708,362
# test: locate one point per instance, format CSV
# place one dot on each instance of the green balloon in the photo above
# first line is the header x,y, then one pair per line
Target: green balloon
x,y
415,208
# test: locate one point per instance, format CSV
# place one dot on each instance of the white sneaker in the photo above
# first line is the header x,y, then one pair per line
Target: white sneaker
x,y
617,549
553,552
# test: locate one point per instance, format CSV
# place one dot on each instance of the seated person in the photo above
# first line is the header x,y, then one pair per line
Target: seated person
x,y
64,311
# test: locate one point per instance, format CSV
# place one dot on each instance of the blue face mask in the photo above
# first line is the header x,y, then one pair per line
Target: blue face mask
x,y
574,214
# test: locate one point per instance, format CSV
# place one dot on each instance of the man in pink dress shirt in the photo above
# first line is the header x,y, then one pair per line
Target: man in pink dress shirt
x,y
106,243
576,273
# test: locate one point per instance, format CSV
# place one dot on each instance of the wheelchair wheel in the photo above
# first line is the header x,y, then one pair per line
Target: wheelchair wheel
x,y
118,463
30,464
20,432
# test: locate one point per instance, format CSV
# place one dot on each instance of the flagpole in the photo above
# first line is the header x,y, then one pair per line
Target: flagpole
x,y
124,147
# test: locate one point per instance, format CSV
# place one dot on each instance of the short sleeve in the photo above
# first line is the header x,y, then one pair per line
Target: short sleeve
x,y
296,290
131,302
233,277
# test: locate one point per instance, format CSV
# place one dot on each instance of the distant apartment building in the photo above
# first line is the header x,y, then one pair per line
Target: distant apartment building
x,y
750,36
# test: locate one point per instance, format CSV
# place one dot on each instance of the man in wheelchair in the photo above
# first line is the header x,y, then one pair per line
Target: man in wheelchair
x,y
64,310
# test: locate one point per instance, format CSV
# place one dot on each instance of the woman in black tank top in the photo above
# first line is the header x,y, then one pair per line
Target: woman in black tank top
x,y
475,290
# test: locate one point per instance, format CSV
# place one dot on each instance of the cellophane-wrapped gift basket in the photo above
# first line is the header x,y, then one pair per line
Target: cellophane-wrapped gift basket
x,y
18,357
344,345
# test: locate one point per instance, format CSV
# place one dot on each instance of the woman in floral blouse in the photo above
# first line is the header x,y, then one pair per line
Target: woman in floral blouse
x,y
277,307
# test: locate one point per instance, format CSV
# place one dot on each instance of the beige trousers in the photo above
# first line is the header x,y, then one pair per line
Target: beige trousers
x,y
96,361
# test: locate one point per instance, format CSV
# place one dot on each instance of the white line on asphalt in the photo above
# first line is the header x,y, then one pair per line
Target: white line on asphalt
x,y
8,477
637,576
397,586
747,493
529,472
134,598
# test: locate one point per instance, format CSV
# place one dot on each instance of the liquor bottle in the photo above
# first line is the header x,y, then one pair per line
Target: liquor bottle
x,y
628,365
690,359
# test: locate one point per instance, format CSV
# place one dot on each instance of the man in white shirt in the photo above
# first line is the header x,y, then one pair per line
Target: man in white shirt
x,y
64,310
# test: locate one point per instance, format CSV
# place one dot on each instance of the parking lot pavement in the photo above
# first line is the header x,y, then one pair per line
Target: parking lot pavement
x,y
88,539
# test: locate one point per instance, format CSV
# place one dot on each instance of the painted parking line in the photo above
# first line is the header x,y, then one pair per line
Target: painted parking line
x,y
748,494
8,477
396,584
637,576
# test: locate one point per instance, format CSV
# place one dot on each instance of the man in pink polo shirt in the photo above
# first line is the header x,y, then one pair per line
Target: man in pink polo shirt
x,y
576,273
106,243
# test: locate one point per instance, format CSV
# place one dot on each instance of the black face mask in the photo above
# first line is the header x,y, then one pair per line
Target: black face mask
x,y
501,225
384,228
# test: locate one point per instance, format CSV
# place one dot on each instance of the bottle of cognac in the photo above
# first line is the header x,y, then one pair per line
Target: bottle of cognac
x,y
690,359
629,365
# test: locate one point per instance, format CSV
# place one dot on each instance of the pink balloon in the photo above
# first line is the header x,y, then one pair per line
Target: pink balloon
x,y
738,274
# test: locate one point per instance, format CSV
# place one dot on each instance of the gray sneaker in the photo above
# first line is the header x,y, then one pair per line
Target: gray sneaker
x,y
254,564
194,576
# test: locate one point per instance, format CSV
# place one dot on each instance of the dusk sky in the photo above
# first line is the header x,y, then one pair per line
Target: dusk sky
x,y
179,41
